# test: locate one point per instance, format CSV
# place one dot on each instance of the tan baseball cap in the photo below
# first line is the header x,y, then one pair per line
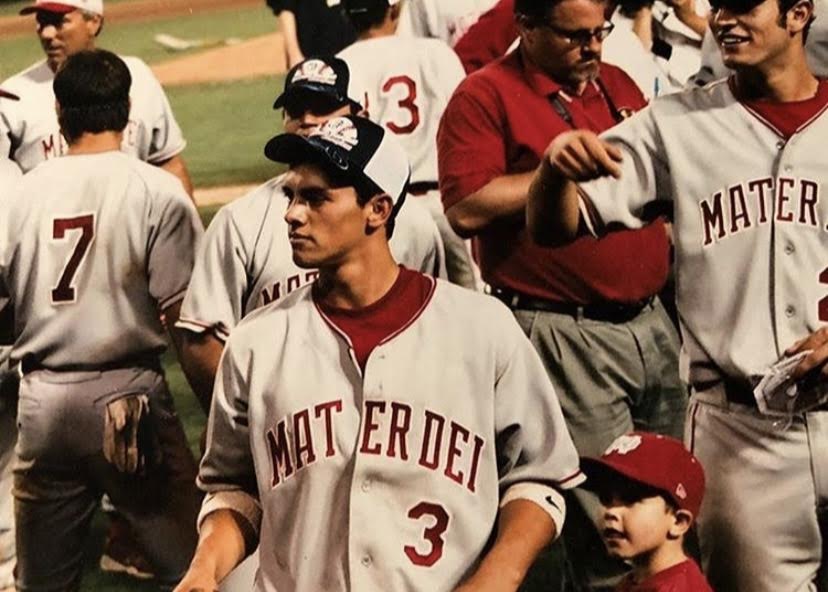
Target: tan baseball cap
x,y
64,6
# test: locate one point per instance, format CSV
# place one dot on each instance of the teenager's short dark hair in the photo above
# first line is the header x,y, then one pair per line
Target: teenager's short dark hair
x,y
92,90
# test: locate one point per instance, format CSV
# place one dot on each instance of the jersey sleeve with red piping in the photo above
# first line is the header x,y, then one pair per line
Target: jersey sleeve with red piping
x,y
470,141
533,442
220,288
175,230
227,472
644,176
489,38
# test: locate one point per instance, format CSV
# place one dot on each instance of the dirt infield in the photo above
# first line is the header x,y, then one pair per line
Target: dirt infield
x,y
138,10
260,56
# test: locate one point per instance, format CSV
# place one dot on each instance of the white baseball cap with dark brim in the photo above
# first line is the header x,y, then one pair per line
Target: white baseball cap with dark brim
x,y
64,6
354,145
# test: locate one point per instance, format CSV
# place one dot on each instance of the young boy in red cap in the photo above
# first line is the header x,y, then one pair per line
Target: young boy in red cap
x,y
651,488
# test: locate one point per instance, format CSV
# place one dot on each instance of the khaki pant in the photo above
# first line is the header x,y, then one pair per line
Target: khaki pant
x,y
61,473
610,378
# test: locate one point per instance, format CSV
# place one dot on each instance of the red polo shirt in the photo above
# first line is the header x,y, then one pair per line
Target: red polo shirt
x,y
489,38
500,121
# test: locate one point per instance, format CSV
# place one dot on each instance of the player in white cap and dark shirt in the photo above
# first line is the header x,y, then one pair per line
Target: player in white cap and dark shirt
x,y
29,131
743,162
94,247
408,82
423,408
9,175
245,259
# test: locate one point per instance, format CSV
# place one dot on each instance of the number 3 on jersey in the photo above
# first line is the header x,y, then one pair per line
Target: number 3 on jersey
x,y
432,533
407,121
64,291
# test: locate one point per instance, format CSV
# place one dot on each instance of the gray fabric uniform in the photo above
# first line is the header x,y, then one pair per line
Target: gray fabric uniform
x,y
92,249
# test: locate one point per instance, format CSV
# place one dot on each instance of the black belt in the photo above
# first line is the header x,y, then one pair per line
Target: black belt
x,y
30,363
738,391
611,312
422,187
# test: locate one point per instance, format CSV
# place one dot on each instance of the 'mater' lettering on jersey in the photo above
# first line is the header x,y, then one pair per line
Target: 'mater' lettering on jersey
x,y
284,287
755,203
436,443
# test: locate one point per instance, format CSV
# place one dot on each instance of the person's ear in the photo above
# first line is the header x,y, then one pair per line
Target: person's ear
x,y
798,16
682,521
380,208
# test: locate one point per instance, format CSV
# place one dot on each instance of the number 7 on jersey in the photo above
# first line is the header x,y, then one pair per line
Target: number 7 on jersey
x,y
64,291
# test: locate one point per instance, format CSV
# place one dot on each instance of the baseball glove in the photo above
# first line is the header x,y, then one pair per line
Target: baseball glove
x,y
121,432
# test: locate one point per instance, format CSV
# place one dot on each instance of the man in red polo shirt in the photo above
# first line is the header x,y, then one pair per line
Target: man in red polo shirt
x,y
590,307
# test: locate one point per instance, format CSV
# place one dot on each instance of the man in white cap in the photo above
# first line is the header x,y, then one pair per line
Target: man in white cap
x,y
29,131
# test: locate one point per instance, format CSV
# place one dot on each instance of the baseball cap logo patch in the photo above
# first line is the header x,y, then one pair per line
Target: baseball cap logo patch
x,y
681,492
315,71
624,444
340,131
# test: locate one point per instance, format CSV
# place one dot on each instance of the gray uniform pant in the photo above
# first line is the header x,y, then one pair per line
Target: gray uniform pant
x,y
61,473
8,435
763,526
610,378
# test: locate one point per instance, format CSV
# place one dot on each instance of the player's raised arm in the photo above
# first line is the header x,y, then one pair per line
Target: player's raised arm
x,y
552,210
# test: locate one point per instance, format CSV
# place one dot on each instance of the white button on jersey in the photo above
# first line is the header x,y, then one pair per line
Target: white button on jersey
x,y
366,485
790,311
789,248
366,561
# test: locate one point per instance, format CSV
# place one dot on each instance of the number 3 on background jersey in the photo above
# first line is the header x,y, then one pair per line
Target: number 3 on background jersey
x,y
64,292
407,103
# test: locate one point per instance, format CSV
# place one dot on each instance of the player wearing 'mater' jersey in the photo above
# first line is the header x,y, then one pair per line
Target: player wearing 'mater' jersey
x,y
408,82
29,130
743,162
9,175
94,247
423,408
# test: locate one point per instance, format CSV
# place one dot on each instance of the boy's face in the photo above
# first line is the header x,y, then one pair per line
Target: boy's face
x,y
636,521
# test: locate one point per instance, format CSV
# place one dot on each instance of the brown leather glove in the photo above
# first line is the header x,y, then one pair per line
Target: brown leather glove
x,y
121,426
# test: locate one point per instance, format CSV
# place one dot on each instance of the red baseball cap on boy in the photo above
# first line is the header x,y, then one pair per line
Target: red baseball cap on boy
x,y
655,460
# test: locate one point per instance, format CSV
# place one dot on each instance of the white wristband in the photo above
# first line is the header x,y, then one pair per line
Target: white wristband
x,y
544,496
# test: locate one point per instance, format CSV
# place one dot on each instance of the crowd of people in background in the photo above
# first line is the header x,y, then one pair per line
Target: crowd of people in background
x,y
540,303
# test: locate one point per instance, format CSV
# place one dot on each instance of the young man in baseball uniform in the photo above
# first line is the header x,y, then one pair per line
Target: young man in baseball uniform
x,y
245,259
743,162
94,248
408,81
397,422
29,131
9,175
591,309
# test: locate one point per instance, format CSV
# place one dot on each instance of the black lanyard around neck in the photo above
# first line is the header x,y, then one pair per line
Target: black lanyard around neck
x,y
561,109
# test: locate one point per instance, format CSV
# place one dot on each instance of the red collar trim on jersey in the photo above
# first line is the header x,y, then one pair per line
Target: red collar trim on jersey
x,y
410,322
768,124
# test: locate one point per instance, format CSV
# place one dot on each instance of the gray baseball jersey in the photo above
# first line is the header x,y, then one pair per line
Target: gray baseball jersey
x,y
10,174
324,453
29,130
751,237
407,90
92,248
759,219
246,261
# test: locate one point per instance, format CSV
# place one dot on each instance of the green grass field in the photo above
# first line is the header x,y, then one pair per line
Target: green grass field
x,y
226,125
